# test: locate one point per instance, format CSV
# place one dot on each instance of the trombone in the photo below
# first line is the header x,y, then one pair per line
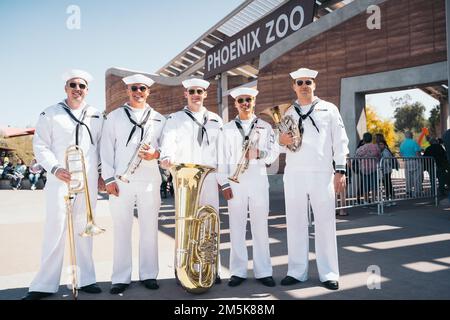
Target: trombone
x,y
78,183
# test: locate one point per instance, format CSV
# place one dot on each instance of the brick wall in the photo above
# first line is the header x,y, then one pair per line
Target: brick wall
x,y
412,33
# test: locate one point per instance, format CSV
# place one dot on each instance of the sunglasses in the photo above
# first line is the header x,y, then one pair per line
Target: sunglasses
x,y
242,100
74,85
307,82
193,91
141,88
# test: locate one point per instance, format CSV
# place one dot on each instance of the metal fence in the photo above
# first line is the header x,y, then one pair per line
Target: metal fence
x,y
381,183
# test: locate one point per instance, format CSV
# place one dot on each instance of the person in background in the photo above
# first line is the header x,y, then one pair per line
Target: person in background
x,y
410,150
446,143
436,151
5,160
35,173
18,175
343,194
379,137
387,163
369,155
8,171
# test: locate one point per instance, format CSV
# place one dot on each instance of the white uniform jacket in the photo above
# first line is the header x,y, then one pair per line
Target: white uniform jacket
x,y
319,149
116,154
180,143
56,130
231,144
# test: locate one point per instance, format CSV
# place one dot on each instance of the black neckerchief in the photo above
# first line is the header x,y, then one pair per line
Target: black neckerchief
x,y
238,123
135,124
307,115
79,122
201,127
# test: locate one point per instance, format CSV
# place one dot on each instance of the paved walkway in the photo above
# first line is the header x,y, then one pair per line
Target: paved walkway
x,y
409,246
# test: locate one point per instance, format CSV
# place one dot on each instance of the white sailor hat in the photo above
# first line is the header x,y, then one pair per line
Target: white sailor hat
x,y
75,73
244,91
304,73
138,78
195,82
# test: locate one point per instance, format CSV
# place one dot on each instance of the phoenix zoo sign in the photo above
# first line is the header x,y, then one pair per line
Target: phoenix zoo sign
x,y
259,36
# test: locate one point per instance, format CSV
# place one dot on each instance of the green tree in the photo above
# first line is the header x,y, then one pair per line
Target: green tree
x,y
400,101
410,117
434,121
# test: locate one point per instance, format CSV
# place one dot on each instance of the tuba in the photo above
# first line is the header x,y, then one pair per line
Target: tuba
x,y
78,183
285,124
196,230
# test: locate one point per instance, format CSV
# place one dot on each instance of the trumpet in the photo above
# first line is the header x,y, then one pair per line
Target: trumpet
x,y
78,183
243,163
135,160
285,124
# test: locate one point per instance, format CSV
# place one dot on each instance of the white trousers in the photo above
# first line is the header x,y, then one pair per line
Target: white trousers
x,y
147,197
251,195
319,186
55,235
210,192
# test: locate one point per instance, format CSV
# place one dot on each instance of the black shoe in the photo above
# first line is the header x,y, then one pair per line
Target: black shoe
x,y
288,281
118,288
218,280
150,284
92,288
36,295
235,281
267,281
331,284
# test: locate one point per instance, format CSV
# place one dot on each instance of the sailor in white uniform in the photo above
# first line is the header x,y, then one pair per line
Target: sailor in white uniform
x,y
131,127
309,172
191,136
251,193
69,122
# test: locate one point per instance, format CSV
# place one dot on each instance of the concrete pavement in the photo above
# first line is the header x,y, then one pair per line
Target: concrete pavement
x,y
404,254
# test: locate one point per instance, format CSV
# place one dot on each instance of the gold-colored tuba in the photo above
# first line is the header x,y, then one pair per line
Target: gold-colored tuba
x,y
75,164
196,230
285,124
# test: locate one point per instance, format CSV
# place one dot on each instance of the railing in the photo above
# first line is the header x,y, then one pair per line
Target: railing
x,y
382,183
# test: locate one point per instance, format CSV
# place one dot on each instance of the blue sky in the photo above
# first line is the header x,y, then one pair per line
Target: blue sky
x,y
37,47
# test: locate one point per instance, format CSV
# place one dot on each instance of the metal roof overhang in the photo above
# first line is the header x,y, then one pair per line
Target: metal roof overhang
x,y
190,62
